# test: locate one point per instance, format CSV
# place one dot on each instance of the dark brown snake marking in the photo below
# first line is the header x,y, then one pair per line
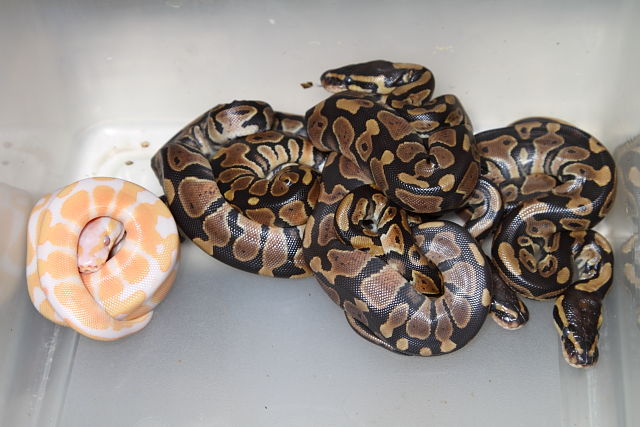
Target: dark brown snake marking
x,y
557,182
192,168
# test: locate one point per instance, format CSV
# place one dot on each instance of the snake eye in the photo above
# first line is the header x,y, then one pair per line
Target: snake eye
x,y
348,80
107,240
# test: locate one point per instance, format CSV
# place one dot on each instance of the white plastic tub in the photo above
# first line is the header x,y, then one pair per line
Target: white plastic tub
x,y
84,84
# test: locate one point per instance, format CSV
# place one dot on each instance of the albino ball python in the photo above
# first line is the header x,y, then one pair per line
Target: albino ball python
x,y
117,299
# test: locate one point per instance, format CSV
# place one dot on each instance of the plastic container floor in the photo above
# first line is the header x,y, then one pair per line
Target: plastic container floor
x,y
95,88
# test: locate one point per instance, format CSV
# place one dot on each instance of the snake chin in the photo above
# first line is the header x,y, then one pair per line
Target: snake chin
x,y
511,319
578,358
579,345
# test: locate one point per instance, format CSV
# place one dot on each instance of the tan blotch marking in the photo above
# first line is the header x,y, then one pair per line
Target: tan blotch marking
x,y
317,125
469,180
232,118
397,318
596,146
477,254
407,151
601,177
269,136
574,224
326,230
197,194
353,105
444,328
397,126
276,254
443,156
424,284
563,275
382,287
445,136
419,326
548,266
423,126
528,260
425,351
538,183
499,149
459,308
169,190
464,275
402,344
344,133
447,182
597,282
294,213
261,215
216,228
443,247
486,297
378,174
419,203
393,240
179,158
347,263
342,211
508,258
364,143
306,236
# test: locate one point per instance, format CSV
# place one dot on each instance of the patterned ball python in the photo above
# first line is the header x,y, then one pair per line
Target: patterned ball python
x,y
359,244
411,286
117,299
418,152
557,182
240,181
482,214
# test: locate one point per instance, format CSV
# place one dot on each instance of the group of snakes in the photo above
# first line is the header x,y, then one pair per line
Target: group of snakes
x,y
383,193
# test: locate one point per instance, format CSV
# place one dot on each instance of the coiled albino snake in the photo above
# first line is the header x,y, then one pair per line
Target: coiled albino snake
x,y
117,299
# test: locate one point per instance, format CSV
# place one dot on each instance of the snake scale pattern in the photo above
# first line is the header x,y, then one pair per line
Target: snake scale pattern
x,y
354,193
362,192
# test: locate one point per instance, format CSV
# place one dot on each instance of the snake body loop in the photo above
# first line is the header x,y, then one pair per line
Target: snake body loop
x,y
398,156
557,182
428,172
118,299
380,299
231,150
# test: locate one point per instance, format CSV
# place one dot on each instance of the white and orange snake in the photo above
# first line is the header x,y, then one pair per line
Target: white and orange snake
x,y
117,299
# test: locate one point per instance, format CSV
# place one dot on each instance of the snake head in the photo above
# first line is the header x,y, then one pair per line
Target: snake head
x,y
578,317
375,77
97,240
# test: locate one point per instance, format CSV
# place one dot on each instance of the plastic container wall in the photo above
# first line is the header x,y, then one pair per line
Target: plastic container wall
x,y
94,88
